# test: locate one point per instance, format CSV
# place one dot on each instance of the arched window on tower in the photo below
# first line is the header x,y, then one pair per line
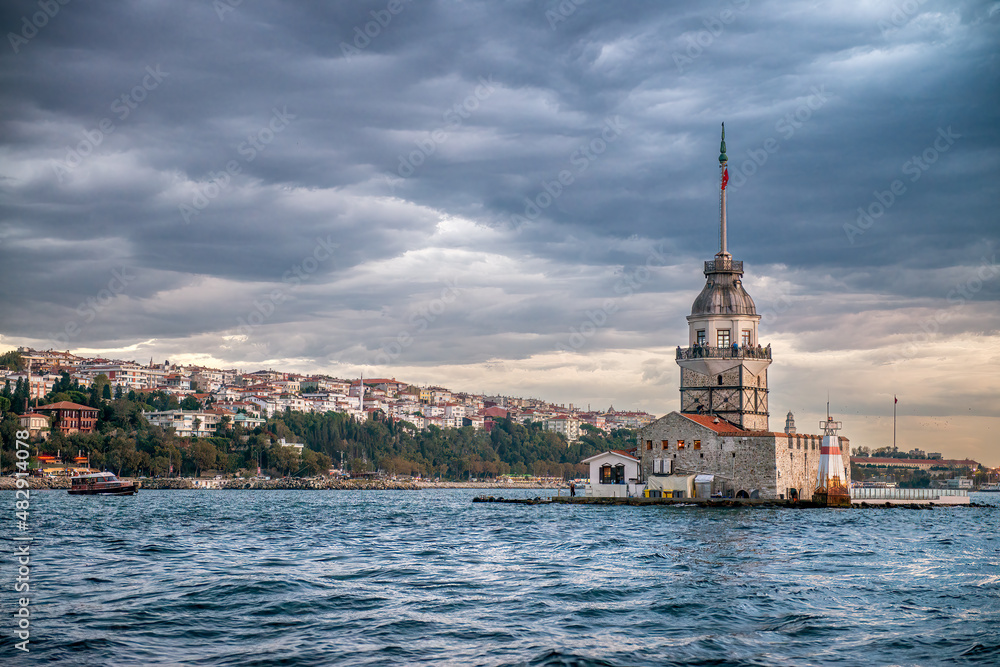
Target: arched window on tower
x,y
720,379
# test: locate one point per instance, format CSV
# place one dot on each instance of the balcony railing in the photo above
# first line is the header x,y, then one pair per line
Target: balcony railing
x,y
713,266
730,352
863,493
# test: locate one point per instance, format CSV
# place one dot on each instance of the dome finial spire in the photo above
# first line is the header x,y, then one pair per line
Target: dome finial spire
x,y
722,148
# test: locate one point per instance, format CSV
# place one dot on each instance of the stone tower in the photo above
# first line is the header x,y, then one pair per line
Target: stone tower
x,y
724,367
790,424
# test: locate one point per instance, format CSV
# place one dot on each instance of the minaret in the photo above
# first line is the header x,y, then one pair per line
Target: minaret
x,y
790,424
724,367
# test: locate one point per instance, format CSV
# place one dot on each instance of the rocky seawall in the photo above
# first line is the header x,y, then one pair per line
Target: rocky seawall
x,y
494,485
296,484
291,484
35,483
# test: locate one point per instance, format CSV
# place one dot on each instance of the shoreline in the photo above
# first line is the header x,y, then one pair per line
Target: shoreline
x,y
293,484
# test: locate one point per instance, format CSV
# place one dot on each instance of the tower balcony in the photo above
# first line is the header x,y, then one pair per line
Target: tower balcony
x,y
730,352
715,360
720,264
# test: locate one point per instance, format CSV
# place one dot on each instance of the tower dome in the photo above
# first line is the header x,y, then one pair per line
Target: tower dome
x,y
723,294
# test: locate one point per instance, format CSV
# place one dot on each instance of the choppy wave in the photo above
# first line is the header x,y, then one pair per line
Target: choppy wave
x,y
372,578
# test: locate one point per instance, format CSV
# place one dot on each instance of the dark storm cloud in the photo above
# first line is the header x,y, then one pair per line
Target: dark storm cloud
x,y
208,147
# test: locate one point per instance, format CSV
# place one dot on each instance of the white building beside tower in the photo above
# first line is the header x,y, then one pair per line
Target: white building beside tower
x,y
721,434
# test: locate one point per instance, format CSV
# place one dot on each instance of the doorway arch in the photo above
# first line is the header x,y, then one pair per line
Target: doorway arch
x,y
742,494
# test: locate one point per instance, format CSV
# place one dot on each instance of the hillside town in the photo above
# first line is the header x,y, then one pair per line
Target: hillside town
x,y
207,397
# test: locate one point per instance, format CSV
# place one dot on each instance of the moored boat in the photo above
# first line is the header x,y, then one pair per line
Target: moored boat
x,y
101,483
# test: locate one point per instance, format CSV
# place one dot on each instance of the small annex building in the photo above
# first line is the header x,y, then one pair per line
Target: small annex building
x,y
613,474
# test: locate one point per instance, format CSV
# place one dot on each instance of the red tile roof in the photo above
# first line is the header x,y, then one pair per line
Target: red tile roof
x,y
65,405
708,421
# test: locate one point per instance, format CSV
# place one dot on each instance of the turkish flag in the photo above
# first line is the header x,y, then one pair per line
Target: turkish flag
x,y
895,400
725,177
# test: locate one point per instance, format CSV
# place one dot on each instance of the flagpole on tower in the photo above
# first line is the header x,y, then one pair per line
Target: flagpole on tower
x,y
724,175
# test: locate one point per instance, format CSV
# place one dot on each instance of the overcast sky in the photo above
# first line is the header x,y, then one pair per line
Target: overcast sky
x,y
516,197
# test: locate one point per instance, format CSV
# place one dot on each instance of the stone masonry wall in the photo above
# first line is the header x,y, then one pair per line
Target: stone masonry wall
x,y
738,463
771,463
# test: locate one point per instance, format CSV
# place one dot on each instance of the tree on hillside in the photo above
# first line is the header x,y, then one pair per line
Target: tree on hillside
x,y
19,397
203,455
284,459
12,361
314,463
98,388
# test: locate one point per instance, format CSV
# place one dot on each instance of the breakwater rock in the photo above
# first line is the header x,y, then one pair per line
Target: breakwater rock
x,y
538,500
501,484
318,484
287,484
161,483
35,483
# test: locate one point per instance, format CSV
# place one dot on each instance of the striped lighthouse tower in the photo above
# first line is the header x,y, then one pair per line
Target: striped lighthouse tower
x,y
831,480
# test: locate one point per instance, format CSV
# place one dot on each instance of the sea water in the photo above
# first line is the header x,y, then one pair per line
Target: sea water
x,y
387,577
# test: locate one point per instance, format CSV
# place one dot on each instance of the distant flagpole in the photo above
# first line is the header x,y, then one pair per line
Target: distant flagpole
x,y
894,401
